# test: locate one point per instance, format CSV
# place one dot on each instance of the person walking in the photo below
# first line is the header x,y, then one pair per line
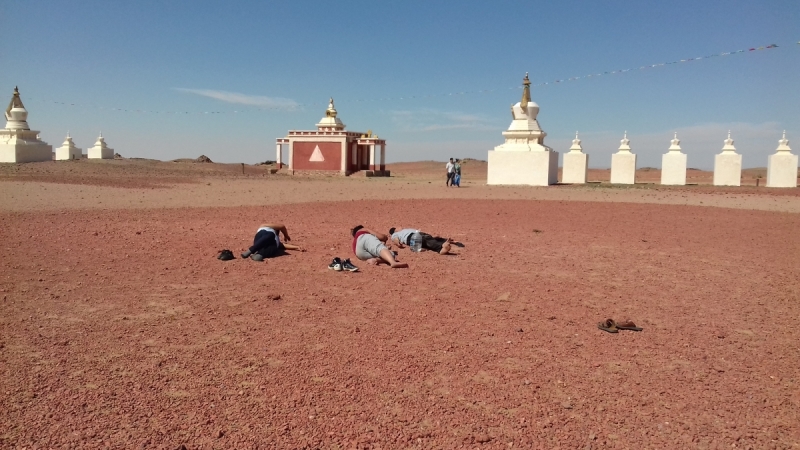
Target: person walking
x,y
450,172
457,173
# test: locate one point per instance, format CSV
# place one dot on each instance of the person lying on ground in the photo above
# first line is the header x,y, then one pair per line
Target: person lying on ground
x,y
438,244
369,246
267,243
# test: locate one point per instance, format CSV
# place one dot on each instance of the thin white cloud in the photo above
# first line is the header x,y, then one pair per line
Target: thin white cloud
x,y
434,120
244,99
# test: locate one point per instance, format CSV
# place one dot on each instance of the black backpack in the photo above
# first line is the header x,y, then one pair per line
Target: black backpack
x,y
226,255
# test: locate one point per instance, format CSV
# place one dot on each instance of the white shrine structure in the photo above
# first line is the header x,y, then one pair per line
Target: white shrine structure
x,y
782,166
331,149
523,158
100,150
623,163
576,164
18,143
728,165
68,150
673,164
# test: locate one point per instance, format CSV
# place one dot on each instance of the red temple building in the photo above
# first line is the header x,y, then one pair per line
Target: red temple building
x,y
330,148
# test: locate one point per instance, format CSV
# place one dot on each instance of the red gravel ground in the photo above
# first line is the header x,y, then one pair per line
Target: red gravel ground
x,y
119,328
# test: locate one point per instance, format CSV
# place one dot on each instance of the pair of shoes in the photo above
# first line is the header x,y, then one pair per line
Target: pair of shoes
x,y
613,327
339,265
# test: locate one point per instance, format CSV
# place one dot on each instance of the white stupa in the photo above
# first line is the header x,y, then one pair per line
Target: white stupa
x,y
728,165
782,166
673,164
523,158
100,150
575,163
623,163
68,150
18,143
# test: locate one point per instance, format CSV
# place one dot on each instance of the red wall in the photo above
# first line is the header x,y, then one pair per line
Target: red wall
x,y
331,151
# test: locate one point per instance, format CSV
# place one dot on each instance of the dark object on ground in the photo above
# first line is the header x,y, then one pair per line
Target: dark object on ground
x,y
226,255
628,325
118,156
336,264
608,326
203,159
347,265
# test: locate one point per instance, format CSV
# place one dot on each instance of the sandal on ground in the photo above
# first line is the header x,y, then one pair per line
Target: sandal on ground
x,y
628,325
608,326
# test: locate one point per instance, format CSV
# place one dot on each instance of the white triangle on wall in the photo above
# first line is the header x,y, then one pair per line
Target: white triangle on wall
x,y
317,155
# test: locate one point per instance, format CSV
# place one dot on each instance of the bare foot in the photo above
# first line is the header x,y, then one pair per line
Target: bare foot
x,y
445,248
399,265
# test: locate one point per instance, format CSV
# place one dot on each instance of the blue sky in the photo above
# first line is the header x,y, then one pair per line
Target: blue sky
x,y
261,68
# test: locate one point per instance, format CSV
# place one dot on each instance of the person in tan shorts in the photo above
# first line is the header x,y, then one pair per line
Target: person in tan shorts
x,y
370,246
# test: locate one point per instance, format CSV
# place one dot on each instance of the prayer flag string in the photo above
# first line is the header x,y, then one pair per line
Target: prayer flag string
x,y
415,97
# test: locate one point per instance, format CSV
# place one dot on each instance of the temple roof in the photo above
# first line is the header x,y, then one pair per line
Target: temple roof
x,y
330,120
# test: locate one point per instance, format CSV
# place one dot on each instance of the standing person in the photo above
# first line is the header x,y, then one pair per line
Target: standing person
x,y
401,238
267,243
450,172
457,172
369,246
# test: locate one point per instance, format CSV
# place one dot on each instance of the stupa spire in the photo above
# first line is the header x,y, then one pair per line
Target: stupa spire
x,y
783,144
16,114
576,144
728,147
526,92
676,143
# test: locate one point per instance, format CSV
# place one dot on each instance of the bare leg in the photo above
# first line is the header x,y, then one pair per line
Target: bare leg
x,y
387,256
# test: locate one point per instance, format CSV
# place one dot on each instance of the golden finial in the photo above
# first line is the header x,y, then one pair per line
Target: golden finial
x,y
331,111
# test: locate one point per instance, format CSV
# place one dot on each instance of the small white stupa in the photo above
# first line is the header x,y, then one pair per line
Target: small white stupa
x,y
68,151
18,143
523,158
673,164
782,166
100,149
728,165
623,163
575,163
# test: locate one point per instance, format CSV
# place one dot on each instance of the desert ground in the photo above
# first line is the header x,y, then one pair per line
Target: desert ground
x,y
119,327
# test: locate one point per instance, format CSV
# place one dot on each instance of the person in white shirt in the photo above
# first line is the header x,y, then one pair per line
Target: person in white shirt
x,y
401,238
451,171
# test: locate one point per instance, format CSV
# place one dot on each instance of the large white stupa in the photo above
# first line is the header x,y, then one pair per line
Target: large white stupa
x,y
18,143
523,158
